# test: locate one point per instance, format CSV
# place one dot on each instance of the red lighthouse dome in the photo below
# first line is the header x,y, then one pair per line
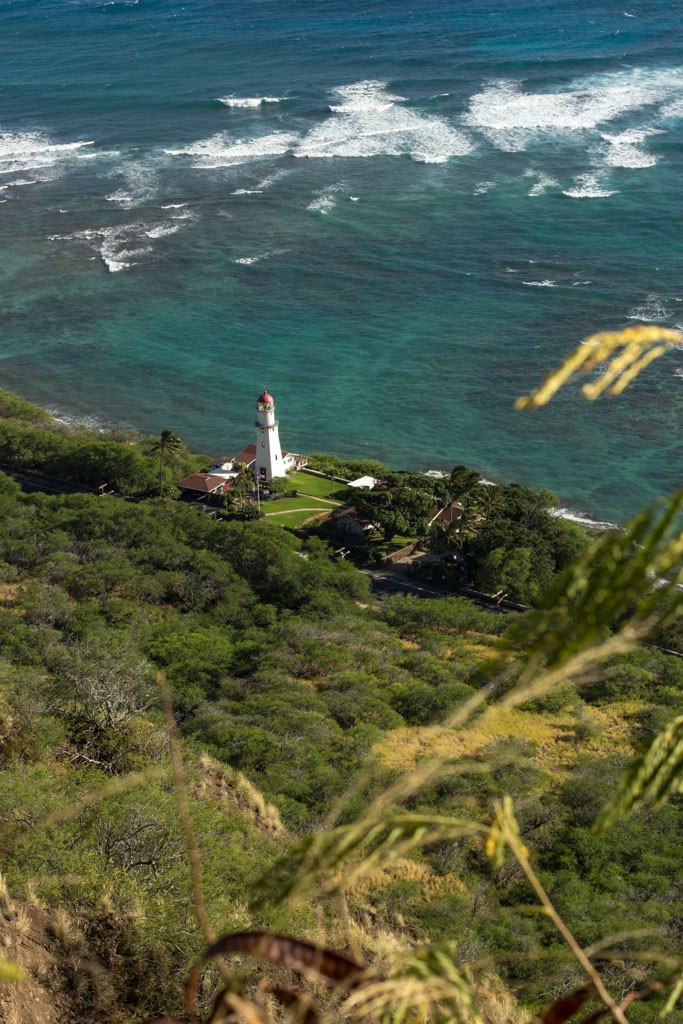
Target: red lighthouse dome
x,y
265,397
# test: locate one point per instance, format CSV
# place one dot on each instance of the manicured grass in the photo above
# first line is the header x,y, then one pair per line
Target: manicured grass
x,y
292,519
289,504
320,486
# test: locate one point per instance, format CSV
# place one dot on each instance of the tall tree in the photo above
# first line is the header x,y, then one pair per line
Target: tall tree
x,y
167,443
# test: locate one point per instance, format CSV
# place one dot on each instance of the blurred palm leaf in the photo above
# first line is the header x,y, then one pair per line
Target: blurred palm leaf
x,y
336,859
427,986
626,353
607,600
653,776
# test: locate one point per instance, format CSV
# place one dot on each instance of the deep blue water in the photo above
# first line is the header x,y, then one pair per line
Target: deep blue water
x,y
396,215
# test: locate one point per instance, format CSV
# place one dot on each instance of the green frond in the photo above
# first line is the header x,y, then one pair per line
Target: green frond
x,y
428,985
335,860
505,829
653,776
674,996
626,353
604,602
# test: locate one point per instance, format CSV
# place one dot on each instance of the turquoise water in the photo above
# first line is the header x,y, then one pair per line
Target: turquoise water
x,y
397,216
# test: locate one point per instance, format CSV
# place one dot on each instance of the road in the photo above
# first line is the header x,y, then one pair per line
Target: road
x,y
31,482
394,583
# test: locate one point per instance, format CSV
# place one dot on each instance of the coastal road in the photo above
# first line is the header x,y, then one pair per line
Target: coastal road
x,y
394,583
32,482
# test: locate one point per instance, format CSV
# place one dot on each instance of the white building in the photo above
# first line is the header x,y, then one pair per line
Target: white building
x,y
269,462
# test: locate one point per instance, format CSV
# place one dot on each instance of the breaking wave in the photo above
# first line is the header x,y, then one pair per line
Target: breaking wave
x,y
369,121
222,151
248,102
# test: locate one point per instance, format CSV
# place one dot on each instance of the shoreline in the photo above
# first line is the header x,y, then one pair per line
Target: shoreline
x,y
576,515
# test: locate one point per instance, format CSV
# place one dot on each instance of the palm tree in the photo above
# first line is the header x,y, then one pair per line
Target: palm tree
x,y
167,442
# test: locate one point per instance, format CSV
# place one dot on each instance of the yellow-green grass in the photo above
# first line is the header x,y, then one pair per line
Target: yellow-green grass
x,y
295,518
319,486
290,504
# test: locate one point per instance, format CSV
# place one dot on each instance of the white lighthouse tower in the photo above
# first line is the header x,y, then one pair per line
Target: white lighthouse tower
x,y
269,462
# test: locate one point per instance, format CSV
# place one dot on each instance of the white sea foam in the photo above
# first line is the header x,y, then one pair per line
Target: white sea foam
x,y
247,192
123,245
511,118
173,206
248,102
29,151
140,185
548,283
581,519
250,260
162,230
222,151
483,186
589,186
326,199
652,311
623,150
272,178
542,184
369,122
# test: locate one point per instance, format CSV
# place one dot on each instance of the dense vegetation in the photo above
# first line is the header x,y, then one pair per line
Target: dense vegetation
x,y
279,670
31,439
287,680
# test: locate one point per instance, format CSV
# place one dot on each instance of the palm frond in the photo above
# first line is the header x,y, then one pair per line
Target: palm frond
x,y
626,352
337,859
602,604
427,985
653,776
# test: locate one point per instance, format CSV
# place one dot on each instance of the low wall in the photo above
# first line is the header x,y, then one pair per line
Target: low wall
x,y
396,556
325,476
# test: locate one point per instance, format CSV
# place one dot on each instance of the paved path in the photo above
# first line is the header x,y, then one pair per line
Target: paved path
x,y
327,501
288,511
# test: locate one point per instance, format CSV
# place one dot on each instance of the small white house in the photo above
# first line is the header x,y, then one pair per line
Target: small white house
x,y
364,481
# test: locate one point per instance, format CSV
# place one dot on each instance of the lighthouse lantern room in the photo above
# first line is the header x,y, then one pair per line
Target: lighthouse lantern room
x,y
269,461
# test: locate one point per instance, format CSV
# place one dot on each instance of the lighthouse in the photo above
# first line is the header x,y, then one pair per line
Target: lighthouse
x,y
269,461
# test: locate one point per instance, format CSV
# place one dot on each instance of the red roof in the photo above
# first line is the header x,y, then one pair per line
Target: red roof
x,y
265,397
204,482
247,456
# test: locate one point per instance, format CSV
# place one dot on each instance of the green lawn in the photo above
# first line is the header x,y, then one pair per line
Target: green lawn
x,y
290,504
320,486
292,519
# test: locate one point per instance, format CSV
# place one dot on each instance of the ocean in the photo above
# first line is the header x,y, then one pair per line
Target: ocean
x,y
396,215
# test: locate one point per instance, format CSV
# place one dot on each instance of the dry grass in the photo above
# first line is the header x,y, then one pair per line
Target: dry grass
x,y
222,783
552,734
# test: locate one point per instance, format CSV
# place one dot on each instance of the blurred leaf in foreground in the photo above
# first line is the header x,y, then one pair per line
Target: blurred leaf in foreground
x,y
625,353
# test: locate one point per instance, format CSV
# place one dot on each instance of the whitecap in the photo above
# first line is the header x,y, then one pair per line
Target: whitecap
x,y
653,311
548,283
369,122
250,260
221,151
483,186
588,186
511,118
173,206
542,184
141,184
623,150
121,246
247,192
326,199
162,230
30,151
248,102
